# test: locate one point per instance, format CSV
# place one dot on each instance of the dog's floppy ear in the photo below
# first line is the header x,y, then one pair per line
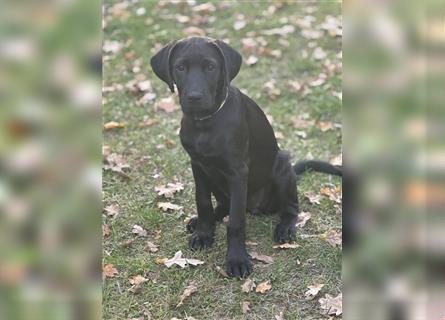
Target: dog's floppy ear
x,y
232,60
160,64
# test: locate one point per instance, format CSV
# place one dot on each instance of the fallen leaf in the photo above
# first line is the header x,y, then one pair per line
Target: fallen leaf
x,y
144,85
251,243
294,86
182,262
194,31
249,45
167,104
319,54
149,122
248,286
311,34
169,189
303,217
111,46
263,287
261,257
109,271
314,289
119,11
276,53
189,290
127,243
106,231
279,316
301,134
137,280
160,261
245,307
240,24
152,247
333,194
302,123
251,60
286,246
325,126
271,90
113,125
332,305
158,234
164,206
117,163
321,79
222,272
332,237
284,30
112,210
139,231
337,94
204,8
312,197
337,160
106,151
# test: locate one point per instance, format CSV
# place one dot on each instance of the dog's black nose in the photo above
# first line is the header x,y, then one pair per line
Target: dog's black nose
x,y
194,96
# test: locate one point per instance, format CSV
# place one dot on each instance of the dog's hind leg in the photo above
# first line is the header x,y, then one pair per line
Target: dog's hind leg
x,y
284,180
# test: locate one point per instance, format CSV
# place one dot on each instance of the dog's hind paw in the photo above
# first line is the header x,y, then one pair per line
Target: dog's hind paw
x,y
284,233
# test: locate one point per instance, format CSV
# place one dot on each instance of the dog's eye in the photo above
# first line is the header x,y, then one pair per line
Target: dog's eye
x,y
210,67
180,67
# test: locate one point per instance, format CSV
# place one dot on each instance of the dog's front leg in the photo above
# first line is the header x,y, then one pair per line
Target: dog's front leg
x,y
204,231
238,261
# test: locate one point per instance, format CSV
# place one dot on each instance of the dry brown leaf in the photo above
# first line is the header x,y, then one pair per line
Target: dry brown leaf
x,y
113,125
319,54
325,126
271,89
117,163
111,46
263,287
160,261
189,290
332,305
332,237
239,24
106,231
286,246
139,231
251,243
119,11
251,60
222,272
249,45
337,160
302,123
152,247
137,280
149,122
169,189
248,286
158,234
167,104
314,289
245,307
112,210
284,30
333,194
279,316
303,217
294,86
182,262
109,271
106,151
312,197
164,206
261,257
194,31
204,8
127,243
321,79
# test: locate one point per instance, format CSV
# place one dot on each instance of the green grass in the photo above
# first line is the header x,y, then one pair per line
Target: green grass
x,y
144,148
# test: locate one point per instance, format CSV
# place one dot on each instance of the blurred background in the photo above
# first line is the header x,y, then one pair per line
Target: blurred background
x,y
50,158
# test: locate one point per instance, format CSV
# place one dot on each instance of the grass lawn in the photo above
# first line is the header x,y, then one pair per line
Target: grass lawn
x,y
156,157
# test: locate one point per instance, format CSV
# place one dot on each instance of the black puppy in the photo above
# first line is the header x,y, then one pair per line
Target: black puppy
x,y
233,150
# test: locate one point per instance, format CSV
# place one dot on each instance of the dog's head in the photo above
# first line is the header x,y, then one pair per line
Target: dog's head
x,y
201,69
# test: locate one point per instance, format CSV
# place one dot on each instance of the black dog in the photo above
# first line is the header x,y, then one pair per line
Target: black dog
x,y
232,146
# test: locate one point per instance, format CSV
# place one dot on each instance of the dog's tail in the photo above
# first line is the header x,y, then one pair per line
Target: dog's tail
x,y
319,166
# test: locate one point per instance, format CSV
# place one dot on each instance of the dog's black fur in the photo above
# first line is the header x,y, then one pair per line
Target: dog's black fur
x,y
232,146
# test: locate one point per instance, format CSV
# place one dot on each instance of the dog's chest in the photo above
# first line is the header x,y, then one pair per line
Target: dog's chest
x,y
202,145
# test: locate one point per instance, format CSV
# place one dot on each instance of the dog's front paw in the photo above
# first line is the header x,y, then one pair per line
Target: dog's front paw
x,y
201,240
191,224
238,265
284,233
